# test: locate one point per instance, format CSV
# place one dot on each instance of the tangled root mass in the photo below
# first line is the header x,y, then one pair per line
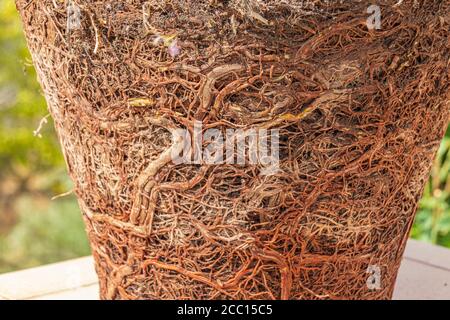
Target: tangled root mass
x,y
361,113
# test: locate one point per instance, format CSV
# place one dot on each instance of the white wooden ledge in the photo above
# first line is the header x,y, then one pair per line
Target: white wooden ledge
x,y
424,274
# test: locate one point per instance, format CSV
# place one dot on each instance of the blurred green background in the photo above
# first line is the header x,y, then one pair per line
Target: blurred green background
x,y
36,230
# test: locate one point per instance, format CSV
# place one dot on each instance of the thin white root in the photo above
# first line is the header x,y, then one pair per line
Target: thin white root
x,y
44,121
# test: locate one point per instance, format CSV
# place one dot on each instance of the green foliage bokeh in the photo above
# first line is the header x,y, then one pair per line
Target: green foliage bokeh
x,y
34,230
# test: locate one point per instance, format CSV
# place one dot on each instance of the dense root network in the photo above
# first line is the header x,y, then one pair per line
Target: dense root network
x,y
361,112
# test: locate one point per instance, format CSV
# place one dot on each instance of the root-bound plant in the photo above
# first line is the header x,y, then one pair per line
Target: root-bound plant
x,y
353,96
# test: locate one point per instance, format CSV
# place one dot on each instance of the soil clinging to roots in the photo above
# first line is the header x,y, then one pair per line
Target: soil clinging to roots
x,y
360,112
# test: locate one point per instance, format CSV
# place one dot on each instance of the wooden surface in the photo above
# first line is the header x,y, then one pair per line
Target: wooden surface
x,y
424,274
